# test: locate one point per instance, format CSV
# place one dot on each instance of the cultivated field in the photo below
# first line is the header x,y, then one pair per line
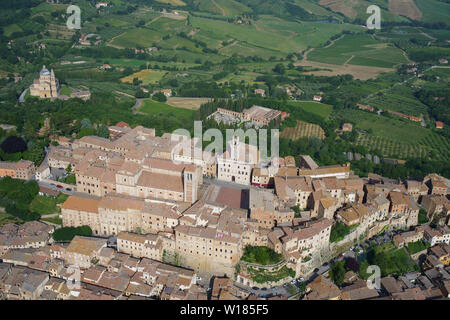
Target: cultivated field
x,y
223,7
359,49
303,129
358,72
152,107
405,8
146,76
346,7
359,55
392,148
357,8
397,137
321,109
187,103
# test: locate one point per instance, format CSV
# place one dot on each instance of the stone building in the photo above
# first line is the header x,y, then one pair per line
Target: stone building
x,y
47,86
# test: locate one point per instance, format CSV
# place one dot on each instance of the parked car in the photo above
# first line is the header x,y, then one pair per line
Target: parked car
x,y
59,186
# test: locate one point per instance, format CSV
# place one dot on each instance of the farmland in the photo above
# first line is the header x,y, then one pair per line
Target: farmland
x,y
401,99
269,30
146,76
152,107
303,129
360,49
186,103
321,109
395,137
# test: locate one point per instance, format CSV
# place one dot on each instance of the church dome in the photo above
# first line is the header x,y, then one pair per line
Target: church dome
x,y
44,71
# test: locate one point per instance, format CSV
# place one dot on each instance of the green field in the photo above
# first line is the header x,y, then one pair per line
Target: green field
x,y
223,7
399,98
6,218
47,205
137,37
360,49
397,137
356,9
434,11
152,107
264,33
147,76
65,90
9,30
321,109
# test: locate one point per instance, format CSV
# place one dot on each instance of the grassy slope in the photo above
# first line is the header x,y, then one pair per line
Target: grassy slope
x,y
152,107
366,51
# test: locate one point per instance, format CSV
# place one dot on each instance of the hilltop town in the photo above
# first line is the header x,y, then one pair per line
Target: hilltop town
x,y
109,189
162,223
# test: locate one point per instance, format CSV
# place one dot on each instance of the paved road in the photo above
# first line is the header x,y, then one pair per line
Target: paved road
x,y
48,185
22,96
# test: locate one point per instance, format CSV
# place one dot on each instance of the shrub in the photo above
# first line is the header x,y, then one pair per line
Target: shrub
x,y
68,233
159,96
261,255
13,144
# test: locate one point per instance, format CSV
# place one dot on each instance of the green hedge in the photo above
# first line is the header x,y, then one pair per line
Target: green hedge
x,y
68,233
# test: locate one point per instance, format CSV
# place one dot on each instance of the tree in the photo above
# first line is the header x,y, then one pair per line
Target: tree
x,y
86,123
35,154
69,168
352,264
68,233
85,132
13,144
29,130
159,96
279,68
103,131
337,273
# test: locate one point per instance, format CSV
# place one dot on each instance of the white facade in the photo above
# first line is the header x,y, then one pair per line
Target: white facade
x,y
236,164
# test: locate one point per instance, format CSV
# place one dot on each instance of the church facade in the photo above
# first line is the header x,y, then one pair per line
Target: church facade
x,y
47,86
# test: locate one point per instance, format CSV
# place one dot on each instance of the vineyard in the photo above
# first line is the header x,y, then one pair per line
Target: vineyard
x,y
303,129
432,146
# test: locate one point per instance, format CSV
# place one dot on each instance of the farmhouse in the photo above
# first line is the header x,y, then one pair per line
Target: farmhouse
x,y
166,92
261,92
363,107
317,98
101,5
406,116
347,127
439,125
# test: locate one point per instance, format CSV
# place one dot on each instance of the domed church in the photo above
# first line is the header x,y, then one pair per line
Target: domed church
x,y
47,86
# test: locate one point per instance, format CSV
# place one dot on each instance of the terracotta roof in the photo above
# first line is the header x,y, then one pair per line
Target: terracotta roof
x,y
81,204
160,181
122,124
85,245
